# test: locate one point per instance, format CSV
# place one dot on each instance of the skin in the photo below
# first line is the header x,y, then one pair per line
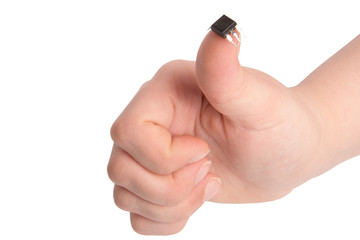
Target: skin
x,y
215,130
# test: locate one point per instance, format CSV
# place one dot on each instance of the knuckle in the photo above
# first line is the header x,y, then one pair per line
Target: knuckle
x,y
179,226
145,84
170,65
116,173
114,131
138,224
119,132
111,171
123,199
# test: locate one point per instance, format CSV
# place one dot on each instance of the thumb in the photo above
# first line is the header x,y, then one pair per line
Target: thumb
x,y
235,91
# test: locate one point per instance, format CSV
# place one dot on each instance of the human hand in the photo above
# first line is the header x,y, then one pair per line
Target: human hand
x,y
259,137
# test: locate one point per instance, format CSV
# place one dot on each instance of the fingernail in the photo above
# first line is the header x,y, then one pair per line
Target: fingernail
x,y
202,172
199,156
212,188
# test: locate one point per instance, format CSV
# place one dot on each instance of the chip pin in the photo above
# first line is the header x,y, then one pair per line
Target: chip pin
x,y
230,39
237,37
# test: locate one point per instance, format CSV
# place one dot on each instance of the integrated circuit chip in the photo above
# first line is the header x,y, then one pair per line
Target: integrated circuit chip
x,y
225,27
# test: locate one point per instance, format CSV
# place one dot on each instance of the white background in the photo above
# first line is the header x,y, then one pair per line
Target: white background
x,y
68,68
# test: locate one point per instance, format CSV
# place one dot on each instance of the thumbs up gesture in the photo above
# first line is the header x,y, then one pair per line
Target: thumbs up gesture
x,y
210,130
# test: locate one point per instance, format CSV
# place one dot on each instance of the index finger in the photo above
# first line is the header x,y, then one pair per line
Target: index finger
x,y
158,126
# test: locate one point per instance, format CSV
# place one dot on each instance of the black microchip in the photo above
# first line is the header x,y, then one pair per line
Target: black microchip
x,y
223,26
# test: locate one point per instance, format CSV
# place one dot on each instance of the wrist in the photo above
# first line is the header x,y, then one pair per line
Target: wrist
x,y
326,152
331,92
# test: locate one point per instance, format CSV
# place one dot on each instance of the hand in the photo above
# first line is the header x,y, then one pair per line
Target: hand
x,y
259,137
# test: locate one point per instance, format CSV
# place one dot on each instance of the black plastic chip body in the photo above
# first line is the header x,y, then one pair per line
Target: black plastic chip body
x,y
223,26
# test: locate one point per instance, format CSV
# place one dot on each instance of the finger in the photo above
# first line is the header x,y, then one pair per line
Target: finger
x,y
158,151
236,91
128,201
146,226
157,128
165,190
